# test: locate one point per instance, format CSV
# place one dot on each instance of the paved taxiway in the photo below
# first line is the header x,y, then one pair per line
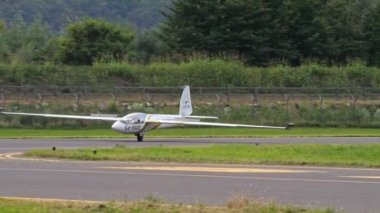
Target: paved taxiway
x,y
354,190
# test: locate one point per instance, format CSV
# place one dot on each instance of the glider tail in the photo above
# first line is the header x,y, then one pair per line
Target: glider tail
x,y
185,107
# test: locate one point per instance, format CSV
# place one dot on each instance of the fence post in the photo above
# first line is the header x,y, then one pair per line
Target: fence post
x,y
364,94
355,118
56,90
219,98
337,94
3,100
354,99
321,119
172,93
40,98
77,99
287,107
228,95
255,95
114,98
148,98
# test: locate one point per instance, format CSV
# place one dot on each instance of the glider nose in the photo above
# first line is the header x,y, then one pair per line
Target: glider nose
x,y
118,126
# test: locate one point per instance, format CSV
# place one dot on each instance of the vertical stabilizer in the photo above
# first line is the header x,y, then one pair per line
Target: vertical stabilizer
x,y
185,108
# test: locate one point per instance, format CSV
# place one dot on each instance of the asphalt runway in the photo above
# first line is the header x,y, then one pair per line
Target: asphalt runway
x,y
353,190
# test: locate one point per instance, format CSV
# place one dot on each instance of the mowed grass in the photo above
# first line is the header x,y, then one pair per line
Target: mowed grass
x,y
147,205
360,155
190,132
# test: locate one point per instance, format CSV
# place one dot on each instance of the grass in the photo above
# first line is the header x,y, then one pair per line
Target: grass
x,y
149,204
190,132
360,155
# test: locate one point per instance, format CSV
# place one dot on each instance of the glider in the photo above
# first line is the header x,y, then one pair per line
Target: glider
x,y
140,123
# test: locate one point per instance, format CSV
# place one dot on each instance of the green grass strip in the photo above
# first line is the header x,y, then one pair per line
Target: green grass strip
x,y
359,155
190,132
148,205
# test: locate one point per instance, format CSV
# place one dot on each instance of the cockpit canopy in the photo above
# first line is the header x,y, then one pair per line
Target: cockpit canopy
x,y
134,118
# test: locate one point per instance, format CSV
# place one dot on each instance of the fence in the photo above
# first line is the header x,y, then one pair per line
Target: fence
x,y
303,106
255,92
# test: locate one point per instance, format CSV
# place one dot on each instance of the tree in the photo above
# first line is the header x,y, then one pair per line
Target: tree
x,y
223,27
265,31
25,43
308,30
92,39
372,34
146,46
345,18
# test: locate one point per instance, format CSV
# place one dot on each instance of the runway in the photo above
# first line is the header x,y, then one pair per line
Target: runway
x,y
353,190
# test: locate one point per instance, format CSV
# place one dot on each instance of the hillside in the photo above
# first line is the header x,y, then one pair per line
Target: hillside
x,y
57,13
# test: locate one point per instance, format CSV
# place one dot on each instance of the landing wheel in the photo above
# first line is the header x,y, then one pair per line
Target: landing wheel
x,y
139,137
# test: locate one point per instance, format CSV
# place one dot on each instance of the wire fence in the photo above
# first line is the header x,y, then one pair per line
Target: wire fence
x,y
303,106
362,92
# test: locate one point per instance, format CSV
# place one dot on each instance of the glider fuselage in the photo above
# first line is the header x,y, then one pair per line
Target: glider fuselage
x,y
135,123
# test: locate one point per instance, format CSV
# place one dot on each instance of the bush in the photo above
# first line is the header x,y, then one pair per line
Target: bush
x,y
197,73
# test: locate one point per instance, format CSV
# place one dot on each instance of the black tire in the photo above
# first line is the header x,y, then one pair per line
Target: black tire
x,y
140,138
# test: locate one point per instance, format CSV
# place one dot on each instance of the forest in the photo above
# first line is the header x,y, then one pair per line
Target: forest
x,y
123,39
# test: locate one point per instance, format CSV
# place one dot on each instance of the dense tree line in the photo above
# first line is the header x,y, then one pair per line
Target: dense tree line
x,y
257,32
266,31
83,42
372,29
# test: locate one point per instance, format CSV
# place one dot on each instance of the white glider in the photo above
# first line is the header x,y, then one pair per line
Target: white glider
x,y
140,123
